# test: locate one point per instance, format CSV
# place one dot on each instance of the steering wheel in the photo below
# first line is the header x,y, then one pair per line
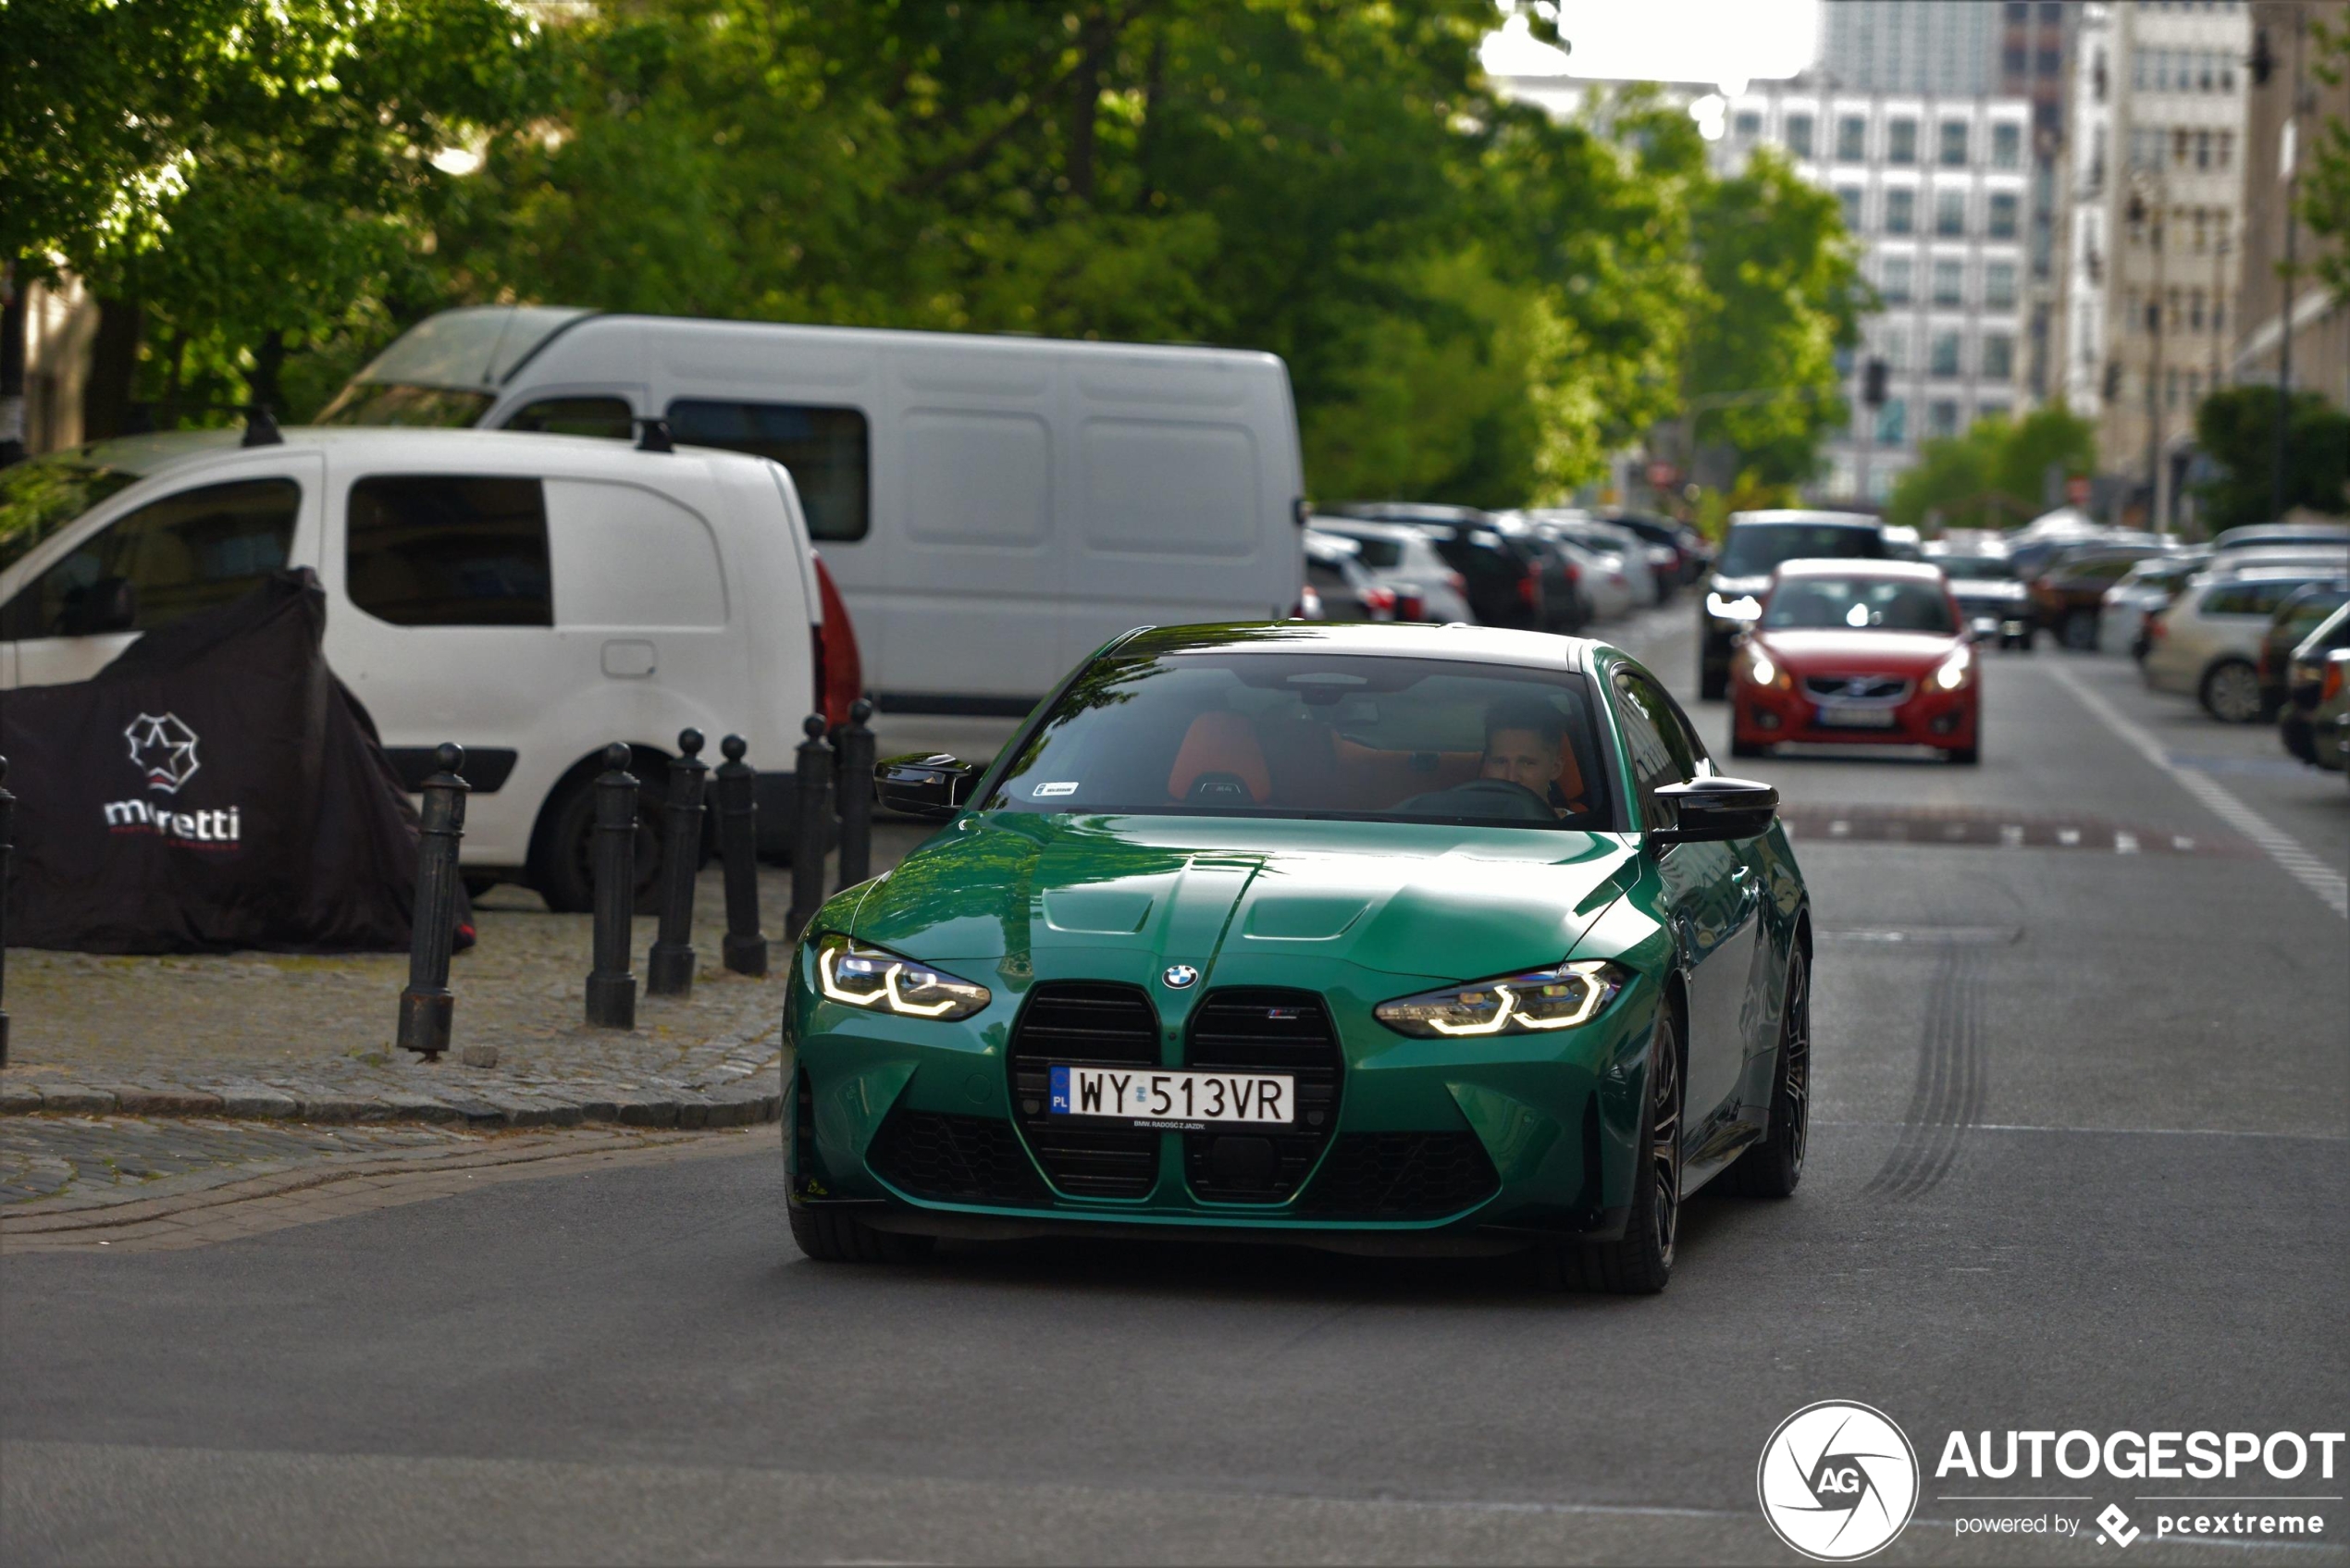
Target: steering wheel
x,y
1482,797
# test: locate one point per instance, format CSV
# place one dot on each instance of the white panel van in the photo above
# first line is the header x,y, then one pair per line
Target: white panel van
x,y
992,508
533,598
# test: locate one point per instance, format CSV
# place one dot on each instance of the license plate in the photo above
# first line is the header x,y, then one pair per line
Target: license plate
x,y
1174,1099
1845,716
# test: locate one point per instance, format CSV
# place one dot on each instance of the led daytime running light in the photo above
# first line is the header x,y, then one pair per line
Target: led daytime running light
x,y
1522,1002
961,997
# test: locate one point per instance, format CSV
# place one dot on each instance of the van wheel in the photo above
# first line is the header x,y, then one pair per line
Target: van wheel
x,y
562,864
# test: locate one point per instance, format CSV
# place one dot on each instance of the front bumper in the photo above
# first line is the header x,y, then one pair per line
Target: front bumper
x,y
1445,1145
1929,716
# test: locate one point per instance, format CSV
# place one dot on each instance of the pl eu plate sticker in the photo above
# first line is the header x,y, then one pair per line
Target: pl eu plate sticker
x,y
1060,1091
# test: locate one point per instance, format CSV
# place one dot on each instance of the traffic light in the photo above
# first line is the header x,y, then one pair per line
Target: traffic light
x,y
1873,383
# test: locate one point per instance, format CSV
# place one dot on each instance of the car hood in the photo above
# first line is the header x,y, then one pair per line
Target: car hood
x,y
1402,898
1891,653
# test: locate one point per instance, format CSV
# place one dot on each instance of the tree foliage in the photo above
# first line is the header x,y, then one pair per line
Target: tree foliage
x,y
1996,474
2236,428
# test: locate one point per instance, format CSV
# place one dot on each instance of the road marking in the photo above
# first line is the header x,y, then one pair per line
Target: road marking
x,y
2124,843
2012,834
2067,836
2329,885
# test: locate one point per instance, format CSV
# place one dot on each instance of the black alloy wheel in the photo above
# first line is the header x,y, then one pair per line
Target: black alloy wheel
x,y
1772,1167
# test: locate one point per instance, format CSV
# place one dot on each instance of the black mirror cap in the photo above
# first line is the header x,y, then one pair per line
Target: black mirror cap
x,y
1716,811
919,785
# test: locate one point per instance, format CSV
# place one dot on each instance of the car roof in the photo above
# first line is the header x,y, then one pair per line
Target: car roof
x,y
1841,519
1835,566
1366,528
1401,639
154,455
1410,512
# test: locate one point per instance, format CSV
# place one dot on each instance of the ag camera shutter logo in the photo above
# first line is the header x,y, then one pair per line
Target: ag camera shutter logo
x,y
1838,1481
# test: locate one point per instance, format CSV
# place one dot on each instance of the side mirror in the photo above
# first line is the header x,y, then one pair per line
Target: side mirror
x,y
924,786
110,604
1713,810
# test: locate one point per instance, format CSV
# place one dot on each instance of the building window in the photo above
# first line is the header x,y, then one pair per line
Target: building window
x,y
2138,69
2226,150
1942,418
2195,310
1949,212
1746,125
1998,285
2194,388
1852,140
2014,59
1895,343
1990,410
1848,198
2004,208
1798,135
1948,277
2170,388
2218,315
1942,354
2051,62
2018,10
1954,144
2006,146
1999,356
1893,422
2052,11
1900,210
2181,143
1898,280
1901,142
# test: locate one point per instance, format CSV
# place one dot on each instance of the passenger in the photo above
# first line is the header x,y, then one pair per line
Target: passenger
x,y
1526,742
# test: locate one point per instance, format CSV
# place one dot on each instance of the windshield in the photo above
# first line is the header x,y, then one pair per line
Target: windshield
x,y
41,497
388,402
1975,568
1755,549
1870,604
1309,734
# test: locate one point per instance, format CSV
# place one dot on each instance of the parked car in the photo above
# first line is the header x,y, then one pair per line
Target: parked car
x,y
1566,608
1646,578
2205,644
1756,544
1692,556
1903,543
2143,589
2068,595
2305,677
2329,717
1997,608
531,598
1600,575
2302,612
2261,534
1099,1034
1342,590
1403,558
1849,651
1503,575
994,508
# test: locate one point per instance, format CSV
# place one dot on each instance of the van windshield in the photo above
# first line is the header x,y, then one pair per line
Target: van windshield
x,y
1316,735
41,497
388,402
1756,548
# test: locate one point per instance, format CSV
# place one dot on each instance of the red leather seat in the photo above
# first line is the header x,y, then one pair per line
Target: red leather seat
x,y
1221,743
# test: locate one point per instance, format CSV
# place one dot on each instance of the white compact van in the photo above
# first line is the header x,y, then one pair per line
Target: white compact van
x,y
992,508
532,598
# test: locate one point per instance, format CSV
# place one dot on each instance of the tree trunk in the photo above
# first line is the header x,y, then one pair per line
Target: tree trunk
x,y
1085,90
114,365
1146,140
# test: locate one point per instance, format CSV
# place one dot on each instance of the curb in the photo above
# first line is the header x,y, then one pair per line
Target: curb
x,y
742,1104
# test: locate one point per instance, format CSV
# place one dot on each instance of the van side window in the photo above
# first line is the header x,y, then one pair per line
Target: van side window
x,y
449,550
577,416
170,558
824,449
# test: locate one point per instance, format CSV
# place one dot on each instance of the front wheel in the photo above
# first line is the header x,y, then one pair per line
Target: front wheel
x,y
562,866
1641,1261
830,1236
2230,693
1771,1168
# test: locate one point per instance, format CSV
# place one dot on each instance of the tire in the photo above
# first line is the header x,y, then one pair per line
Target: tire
x,y
1712,683
562,860
1641,1261
2231,691
1965,756
1747,748
1772,1167
830,1236
2079,631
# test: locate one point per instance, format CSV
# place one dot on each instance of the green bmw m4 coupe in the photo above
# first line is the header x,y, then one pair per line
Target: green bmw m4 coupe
x,y
1382,938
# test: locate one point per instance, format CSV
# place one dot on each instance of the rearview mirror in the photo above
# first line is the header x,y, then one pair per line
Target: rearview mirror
x,y
1713,810
917,786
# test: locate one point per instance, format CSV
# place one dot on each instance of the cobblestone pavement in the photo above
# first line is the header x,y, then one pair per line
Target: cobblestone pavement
x,y
310,1037
142,1184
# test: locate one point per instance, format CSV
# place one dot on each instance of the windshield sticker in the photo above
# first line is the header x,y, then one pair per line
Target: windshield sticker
x,y
1045,791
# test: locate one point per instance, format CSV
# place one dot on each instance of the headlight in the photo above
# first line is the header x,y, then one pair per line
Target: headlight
x,y
1746,607
857,976
1763,672
1955,671
1528,1002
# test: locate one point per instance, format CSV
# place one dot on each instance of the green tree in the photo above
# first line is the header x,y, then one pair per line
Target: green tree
x,y
1996,474
2325,187
2236,428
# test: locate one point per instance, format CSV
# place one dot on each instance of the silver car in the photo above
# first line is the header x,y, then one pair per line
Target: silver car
x,y
1400,557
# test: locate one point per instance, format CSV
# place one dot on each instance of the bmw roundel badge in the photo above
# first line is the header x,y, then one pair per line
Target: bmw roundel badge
x,y
1179,977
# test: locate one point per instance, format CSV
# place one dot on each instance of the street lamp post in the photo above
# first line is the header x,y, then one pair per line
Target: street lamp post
x,y
2284,309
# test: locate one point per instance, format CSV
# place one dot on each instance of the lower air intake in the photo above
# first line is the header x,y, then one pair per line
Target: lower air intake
x,y
1402,1176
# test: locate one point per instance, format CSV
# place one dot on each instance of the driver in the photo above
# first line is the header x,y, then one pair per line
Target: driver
x,y
1524,744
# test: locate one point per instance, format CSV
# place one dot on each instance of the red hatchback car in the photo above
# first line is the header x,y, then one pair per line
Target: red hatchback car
x,y
1867,652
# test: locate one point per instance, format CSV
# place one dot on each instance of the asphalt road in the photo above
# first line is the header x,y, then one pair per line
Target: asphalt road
x,y
2078,1162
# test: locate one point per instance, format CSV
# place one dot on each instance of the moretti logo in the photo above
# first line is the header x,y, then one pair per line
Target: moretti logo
x,y
164,749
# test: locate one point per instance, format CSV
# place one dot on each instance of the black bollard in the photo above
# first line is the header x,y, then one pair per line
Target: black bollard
x,y
808,832
745,949
7,839
611,990
856,796
670,971
425,1006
